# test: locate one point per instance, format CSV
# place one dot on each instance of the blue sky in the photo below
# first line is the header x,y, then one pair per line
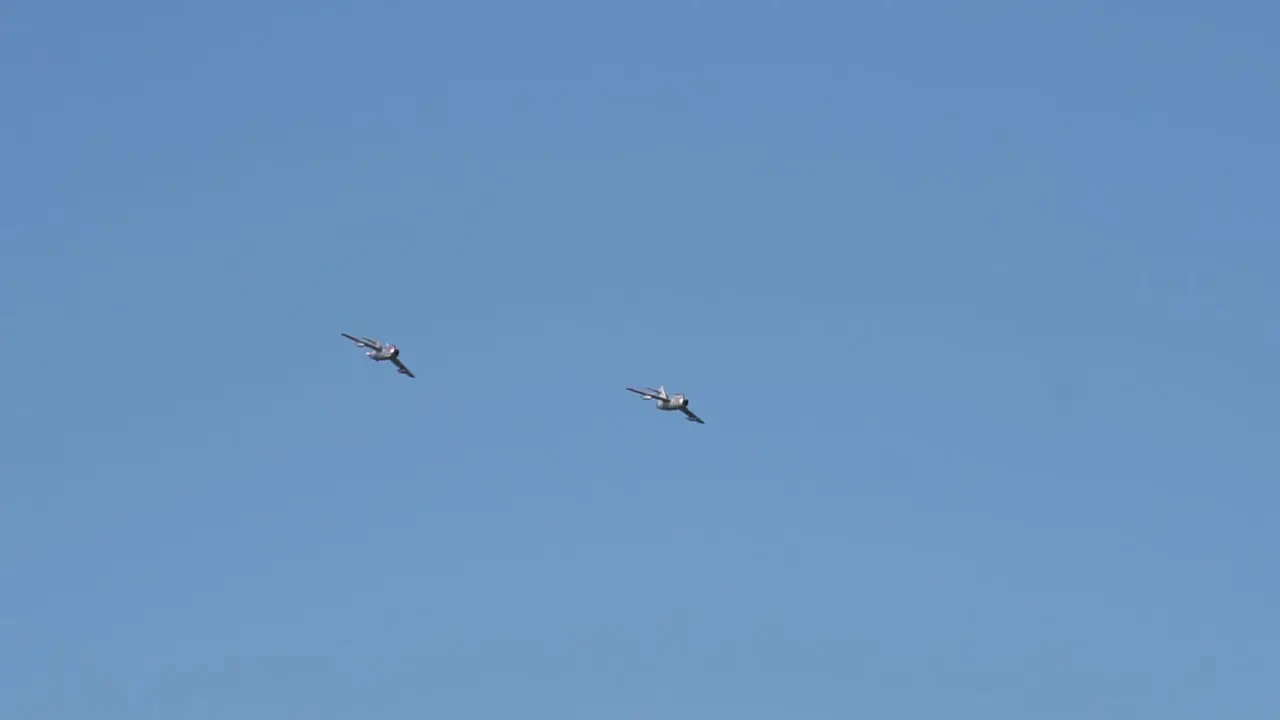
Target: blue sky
x,y
977,300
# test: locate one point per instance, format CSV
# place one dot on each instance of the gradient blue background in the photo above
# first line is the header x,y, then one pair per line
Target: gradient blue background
x,y
978,300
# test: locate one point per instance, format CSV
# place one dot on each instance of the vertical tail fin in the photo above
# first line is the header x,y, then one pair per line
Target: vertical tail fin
x,y
662,390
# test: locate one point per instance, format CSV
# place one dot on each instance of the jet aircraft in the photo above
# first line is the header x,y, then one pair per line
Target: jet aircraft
x,y
665,402
379,352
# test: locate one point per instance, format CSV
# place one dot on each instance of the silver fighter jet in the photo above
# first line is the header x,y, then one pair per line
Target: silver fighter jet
x,y
665,402
379,352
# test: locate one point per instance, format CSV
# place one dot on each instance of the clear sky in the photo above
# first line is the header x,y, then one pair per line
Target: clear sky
x,y
978,301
